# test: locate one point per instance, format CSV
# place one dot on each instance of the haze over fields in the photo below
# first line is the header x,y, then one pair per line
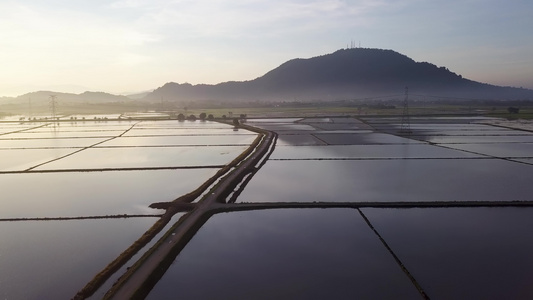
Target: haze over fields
x,y
130,46
346,74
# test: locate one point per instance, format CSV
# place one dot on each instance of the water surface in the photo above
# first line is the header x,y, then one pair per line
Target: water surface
x,y
462,253
50,143
285,254
54,259
205,140
20,160
390,180
150,157
368,151
521,150
94,193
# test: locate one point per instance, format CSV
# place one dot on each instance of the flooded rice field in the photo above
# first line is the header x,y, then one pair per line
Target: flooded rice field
x,y
462,253
339,208
54,259
285,254
77,194
71,194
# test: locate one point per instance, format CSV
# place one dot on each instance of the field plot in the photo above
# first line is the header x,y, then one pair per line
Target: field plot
x,y
56,258
76,194
285,254
71,194
477,252
390,181
338,208
387,167
20,144
462,253
152,157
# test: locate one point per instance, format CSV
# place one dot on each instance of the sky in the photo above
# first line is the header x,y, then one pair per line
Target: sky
x,y
129,46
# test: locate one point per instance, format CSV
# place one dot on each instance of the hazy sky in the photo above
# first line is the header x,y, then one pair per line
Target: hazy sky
x,y
135,45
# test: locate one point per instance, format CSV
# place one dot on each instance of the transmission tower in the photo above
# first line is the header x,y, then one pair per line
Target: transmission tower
x,y
29,109
406,123
53,103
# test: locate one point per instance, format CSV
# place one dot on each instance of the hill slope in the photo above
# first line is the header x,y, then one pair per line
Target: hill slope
x,y
344,74
43,98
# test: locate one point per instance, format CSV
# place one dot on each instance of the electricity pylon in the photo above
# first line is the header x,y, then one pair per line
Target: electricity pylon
x,y
406,123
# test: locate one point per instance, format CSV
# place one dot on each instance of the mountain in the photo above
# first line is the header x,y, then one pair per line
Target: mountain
x,y
43,97
345,74
138,95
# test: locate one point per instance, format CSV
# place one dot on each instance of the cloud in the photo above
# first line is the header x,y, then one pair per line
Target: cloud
x,y
233,19
76,41
51,44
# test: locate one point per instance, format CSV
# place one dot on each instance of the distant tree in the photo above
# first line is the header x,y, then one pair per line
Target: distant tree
x,y
513,110
210,117
192,118
181,117
203,116
224,117
242,116
236,122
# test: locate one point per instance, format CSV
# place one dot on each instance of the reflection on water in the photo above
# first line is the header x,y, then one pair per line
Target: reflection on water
x,y
368,151
154,131
54,259
499,150
285,254
20,160
99,158
52,133
50,143
364,139
462,253
298,140
390,180
94,193
180,140
492,139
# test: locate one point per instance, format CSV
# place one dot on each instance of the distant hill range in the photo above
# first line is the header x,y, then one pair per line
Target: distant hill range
x,y
43,98
345,74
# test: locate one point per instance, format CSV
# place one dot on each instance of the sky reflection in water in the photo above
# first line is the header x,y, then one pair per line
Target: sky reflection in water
x,y
54,259
462,253
285,254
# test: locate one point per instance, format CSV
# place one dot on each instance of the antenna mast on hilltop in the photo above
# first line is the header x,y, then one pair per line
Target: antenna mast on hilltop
x,y
406,123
